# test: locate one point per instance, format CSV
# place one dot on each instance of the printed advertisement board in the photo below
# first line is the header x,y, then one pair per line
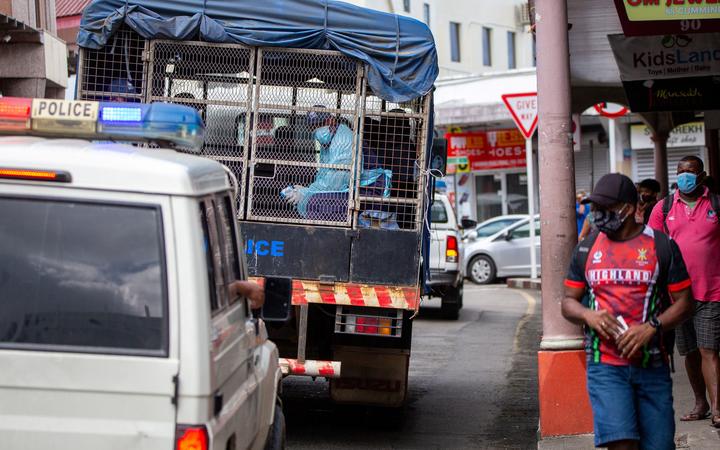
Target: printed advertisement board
x,y
487,150
654,17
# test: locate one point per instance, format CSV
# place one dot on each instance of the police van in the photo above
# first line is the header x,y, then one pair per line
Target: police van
x,y
117,327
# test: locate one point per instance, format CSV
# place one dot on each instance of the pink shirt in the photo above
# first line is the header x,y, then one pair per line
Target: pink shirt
x,y
697,233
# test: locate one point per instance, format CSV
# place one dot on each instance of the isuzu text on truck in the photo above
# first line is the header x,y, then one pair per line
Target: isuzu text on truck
x,y
323,112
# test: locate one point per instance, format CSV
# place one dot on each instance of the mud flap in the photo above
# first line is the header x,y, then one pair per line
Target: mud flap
x,y
374,377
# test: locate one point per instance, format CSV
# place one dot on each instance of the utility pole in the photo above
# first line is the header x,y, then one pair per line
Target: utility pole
x,y
564,403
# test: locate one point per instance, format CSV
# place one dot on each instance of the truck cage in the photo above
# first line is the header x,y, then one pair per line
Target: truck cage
x,y
261,99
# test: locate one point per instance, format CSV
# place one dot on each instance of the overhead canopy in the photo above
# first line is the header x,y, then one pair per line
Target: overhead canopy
x,y
398,51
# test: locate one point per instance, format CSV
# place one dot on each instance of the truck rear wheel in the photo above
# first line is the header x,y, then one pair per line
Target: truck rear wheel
x,y
452,302
276,436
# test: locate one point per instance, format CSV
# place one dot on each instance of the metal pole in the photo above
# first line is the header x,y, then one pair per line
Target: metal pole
x,y
613,145
661,166
531,205
558,233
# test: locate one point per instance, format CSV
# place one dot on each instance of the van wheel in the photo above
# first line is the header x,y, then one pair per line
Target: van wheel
x,y
482,269
276,437
452,302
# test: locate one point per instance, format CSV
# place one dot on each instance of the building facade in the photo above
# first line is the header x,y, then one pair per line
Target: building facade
x,y
472,36
33,60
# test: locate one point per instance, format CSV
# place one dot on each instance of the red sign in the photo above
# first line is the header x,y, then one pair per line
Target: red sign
x,y
524,110
658,17
603,110
488,150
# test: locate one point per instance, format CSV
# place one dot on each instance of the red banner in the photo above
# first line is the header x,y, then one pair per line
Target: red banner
x,y
487,150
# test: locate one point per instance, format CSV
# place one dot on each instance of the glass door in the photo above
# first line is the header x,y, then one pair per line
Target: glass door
x,y
488,190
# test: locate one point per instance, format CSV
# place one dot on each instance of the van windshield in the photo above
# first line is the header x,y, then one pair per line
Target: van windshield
x,y
82,277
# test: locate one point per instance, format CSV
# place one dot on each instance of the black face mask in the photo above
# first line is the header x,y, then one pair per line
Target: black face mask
x,y
648,198
608,221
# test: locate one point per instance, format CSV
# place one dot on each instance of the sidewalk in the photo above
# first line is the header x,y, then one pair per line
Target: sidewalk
x,y
692,435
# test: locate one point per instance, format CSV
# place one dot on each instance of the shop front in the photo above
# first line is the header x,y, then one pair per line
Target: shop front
x,y
487,173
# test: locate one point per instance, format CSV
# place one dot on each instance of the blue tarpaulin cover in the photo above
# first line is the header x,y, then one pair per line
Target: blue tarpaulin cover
x,y
398,51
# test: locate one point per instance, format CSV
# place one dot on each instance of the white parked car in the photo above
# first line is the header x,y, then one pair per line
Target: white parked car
x,y
446,254
117,330
500,247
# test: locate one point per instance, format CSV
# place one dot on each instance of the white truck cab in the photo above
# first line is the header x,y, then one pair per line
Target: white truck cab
x,y
116,326
447,274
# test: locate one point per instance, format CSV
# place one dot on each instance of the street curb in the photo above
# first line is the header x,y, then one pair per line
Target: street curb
x,y
580,441
524,283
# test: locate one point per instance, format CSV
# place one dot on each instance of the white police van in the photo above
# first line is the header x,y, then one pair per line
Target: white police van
x,y
117,330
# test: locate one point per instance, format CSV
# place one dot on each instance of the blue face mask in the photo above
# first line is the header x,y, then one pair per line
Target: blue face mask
x,y
687,182
323,135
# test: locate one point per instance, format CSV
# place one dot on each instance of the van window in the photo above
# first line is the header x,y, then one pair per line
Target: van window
x,y
221,248
82,277
438,214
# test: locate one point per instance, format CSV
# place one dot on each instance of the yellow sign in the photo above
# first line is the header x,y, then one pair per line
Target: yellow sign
x,y
651,10
62,115
462,168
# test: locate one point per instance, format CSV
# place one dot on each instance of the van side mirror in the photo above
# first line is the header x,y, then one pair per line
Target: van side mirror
x,y
466,224
438,157
278,299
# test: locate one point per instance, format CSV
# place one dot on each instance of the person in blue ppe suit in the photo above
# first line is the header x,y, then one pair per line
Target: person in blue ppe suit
x,y
336,144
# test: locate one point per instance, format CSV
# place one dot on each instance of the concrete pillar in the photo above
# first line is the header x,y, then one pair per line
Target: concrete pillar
x,y
564,404
712,142
659,138
23,87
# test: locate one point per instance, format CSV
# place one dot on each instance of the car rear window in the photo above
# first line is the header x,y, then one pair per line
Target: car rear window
x,y
438,214
82,277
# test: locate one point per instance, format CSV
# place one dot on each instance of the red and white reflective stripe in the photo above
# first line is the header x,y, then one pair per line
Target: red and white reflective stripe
x,y
311,368
349,294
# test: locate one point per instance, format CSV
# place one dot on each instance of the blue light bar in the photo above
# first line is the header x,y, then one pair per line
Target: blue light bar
x,y
163,122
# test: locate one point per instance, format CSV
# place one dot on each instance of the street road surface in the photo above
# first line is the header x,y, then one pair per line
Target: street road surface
x,y
473,384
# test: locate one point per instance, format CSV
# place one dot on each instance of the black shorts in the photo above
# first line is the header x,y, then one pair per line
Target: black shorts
x,y
702,330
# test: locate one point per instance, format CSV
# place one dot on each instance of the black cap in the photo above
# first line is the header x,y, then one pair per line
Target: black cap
x,y
613,188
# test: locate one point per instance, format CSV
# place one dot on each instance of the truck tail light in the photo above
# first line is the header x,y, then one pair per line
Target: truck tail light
x,y
451,249
191,438
35,175
368,321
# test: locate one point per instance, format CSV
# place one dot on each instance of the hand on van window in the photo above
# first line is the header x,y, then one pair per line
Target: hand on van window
x,y
252,291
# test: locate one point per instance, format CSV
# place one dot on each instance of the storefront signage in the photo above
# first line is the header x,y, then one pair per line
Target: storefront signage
x,y
687,135
488,150
653,17
669,73
670,56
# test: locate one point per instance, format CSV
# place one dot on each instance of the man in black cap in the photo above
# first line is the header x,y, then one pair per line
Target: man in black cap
x,y
628,270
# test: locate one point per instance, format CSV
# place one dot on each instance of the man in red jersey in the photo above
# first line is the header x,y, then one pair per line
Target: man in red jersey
x,y
628,270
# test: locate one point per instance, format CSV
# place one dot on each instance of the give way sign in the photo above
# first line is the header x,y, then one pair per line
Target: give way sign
x,y
524,110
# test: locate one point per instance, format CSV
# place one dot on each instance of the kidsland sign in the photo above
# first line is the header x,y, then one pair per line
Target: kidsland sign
x,y
671,56
669,73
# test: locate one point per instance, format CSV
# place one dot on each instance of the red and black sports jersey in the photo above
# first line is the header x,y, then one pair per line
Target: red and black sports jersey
x,y
622,278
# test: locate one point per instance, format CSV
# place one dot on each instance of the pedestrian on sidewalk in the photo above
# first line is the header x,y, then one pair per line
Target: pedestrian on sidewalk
x,y
628,269
690,217
648,190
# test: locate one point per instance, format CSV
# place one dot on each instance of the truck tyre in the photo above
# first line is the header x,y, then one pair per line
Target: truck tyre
x,y
482,269
276,436
452,302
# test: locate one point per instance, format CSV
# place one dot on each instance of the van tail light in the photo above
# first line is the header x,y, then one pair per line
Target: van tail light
x,y
451,249
191,438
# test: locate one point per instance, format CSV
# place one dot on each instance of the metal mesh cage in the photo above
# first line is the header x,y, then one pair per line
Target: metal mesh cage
x,y
304,146
215,79
307,140
394,142
115,72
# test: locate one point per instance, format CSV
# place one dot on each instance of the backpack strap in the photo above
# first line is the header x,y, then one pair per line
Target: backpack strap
x,y
667,204
664,255
715,203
